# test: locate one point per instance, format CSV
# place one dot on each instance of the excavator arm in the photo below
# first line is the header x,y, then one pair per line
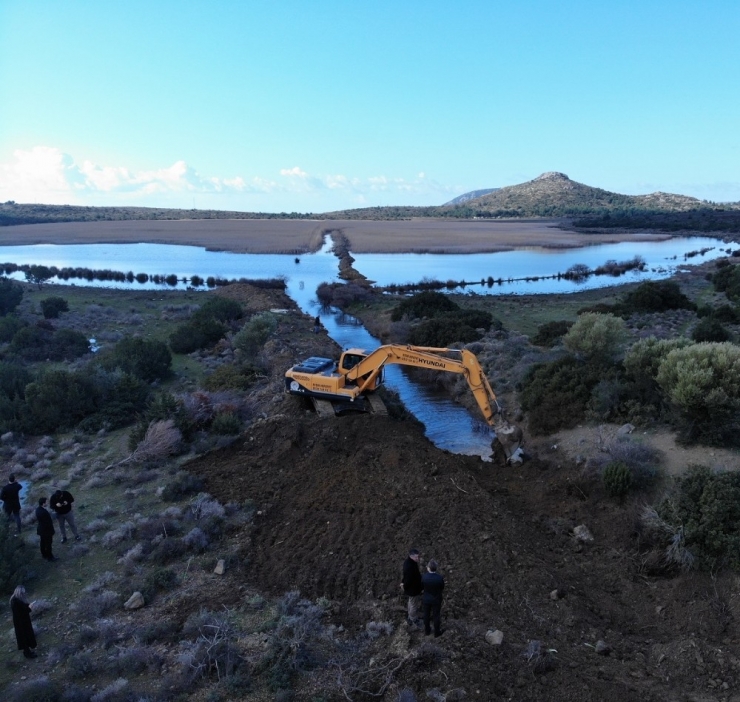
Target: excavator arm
x,y
465,363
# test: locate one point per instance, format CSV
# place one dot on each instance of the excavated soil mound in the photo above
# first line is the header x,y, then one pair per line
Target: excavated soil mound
x,y
341,500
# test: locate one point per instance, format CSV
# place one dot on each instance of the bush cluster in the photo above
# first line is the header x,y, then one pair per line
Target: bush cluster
x,y
342,294
710,329
207,325
550,333
443,321
108,392
232,377
11,294
727,280
556,394
253,335
651,296
36,343
51,307
141,358
617,478
705,507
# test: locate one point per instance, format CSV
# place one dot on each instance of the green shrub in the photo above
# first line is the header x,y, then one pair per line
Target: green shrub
x,y
219,308
706,507
196,334
226,424
656,296
51,307
617,478
11,294
710,329
555,395
161,407
727,314
38,344
702,382
253,335
9,326
181,486
596,336
424,304
57,400
231,377
644,357
144,359
550,333
158,580
727,280
443,331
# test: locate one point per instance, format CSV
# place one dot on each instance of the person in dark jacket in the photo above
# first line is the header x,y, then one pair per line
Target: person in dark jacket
x,y
45,530
431,599
11,500
411,585
61,504
24,634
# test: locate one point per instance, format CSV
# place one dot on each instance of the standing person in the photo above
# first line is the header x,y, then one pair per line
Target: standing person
x,y
411,585
22,622
317,324
431,600
61,504
11,500
45,530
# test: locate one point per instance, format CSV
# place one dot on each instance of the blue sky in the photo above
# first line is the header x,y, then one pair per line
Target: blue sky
x,y
320,105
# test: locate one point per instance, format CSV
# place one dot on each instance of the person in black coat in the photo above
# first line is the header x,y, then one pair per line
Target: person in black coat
x,y
11,500
45,530
61,504
431,600
24,634
411,585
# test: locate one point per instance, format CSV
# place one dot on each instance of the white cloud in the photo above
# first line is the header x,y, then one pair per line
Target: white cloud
x,y
47,175
294,172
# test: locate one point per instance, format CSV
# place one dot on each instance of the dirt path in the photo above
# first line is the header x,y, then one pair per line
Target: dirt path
x,y
584,442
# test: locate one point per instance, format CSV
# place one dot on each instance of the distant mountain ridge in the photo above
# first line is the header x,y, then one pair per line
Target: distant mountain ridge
x,y
472,195
551,194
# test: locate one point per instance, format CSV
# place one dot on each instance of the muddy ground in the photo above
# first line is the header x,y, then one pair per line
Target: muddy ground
x,y
341,500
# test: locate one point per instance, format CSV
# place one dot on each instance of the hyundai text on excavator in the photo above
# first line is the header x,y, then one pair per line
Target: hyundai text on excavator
x,y
349,384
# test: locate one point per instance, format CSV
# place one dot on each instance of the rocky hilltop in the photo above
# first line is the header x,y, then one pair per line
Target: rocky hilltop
x,y
554,193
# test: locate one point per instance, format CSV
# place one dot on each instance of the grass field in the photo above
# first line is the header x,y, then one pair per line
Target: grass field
x,y
301,236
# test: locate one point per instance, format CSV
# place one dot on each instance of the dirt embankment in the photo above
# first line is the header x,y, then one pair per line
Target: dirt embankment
x,y
341,500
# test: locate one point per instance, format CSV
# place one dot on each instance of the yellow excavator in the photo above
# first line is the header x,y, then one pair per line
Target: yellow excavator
x,y
349,384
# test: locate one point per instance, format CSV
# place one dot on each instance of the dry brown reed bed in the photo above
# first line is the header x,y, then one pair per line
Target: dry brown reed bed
x,y
301,236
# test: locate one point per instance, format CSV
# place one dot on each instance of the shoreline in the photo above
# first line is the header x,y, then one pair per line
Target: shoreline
x,y
297,237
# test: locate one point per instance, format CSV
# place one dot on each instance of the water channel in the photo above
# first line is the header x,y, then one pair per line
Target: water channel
x,y
448,425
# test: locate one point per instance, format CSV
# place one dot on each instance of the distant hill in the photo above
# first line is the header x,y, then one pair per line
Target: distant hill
x,y
549,195
14,213
555,195
472,195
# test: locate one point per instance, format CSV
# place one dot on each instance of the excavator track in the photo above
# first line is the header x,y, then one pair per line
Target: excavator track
x,y
323,408
377,404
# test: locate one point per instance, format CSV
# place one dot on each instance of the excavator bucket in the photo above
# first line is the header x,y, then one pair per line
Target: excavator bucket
x,y
508,441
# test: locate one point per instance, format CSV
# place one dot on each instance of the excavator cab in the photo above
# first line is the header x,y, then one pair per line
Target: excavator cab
x,y
349,359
